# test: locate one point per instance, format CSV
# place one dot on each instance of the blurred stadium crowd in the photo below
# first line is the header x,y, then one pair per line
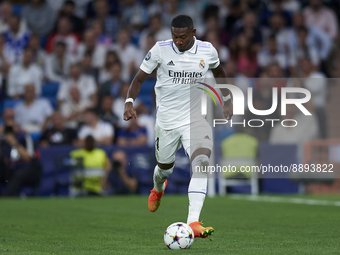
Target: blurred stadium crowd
x,y
65,66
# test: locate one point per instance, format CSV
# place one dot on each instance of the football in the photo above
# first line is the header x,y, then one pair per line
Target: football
x,y
178,236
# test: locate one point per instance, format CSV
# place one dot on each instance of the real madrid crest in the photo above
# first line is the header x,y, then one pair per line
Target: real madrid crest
x,y
202,64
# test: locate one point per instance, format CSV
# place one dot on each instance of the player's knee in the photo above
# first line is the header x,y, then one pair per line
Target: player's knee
x,y
201,160
199,166
166,173
165,166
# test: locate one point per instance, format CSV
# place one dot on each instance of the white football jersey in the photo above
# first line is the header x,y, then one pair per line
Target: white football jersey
x,y
177,76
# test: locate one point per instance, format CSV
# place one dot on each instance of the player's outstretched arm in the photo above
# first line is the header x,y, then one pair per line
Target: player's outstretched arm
x,y
227,96
136,84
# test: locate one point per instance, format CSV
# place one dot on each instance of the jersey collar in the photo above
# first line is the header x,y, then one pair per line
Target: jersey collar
x,y
192,50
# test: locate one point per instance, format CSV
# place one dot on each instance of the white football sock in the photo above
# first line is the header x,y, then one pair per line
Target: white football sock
x,y
197,188
159,177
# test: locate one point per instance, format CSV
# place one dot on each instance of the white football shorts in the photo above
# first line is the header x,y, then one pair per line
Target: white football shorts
x,y
192,136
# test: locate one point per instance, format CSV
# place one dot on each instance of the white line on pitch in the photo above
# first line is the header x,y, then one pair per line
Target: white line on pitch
x,y
285,200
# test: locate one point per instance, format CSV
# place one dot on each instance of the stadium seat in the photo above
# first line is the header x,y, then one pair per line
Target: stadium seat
x,y
35,136
11,103
147,87
17,9
53,101
50,89
146,99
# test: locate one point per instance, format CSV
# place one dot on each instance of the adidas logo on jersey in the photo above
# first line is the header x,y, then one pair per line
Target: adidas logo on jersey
x,y
171,63
206,137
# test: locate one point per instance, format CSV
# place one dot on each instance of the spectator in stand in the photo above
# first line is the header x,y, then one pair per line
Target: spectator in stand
x,y
33,113
81,8
22,74
316,83
257,6
88,68
6,58
96,169
292,6
234,15
106,111
244,56
145,119
68,10
101,131
128,53
195,9
105,70
132,135
120,180
98,52
271,54
39,16
303,50
65,34
250,29
85,84
16,38
277,28
6,12
112,87
19,166
150,42
306,130
118,106
276,79
102,38
211,20
73,109
157,29
57,134
276,6
38,53
172,9
230,71
322,17
275,71
111,23
316,38
134,14
223,52
58,63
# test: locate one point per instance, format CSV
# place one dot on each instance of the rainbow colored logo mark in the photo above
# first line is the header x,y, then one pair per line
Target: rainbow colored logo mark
x,y
208,92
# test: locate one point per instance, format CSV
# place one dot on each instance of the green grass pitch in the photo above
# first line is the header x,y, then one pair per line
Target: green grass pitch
x,y
123,225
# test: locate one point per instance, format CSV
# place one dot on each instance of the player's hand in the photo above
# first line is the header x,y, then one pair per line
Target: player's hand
x,y
129,112
228,110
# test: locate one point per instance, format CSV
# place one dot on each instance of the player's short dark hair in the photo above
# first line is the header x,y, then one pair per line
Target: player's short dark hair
x,y
182,21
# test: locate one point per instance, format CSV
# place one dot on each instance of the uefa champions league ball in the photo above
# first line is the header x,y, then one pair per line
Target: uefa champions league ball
x,y
178,236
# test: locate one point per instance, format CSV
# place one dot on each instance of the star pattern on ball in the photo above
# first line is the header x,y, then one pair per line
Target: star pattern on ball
x,y
190,236
175,238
